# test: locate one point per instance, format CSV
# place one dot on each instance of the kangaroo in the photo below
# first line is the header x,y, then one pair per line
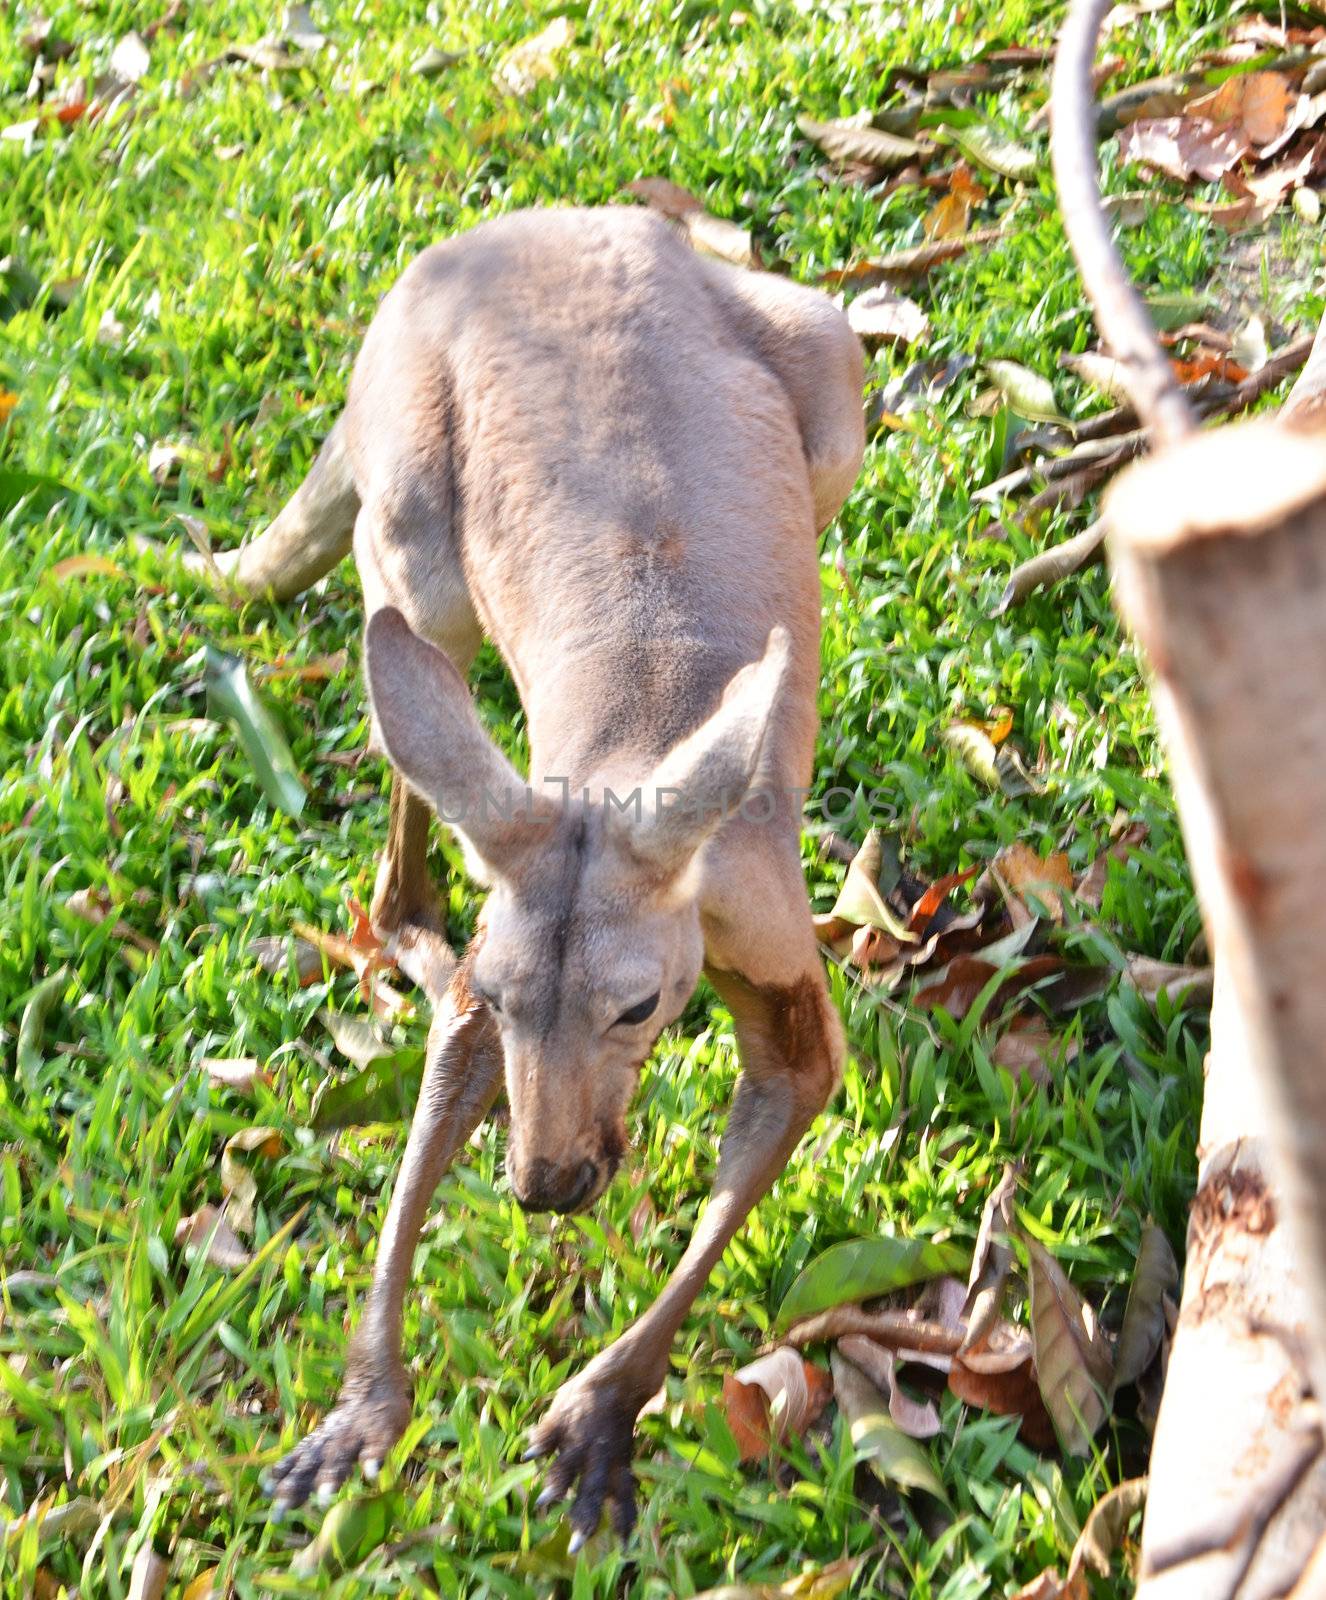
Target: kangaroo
x,y
569,432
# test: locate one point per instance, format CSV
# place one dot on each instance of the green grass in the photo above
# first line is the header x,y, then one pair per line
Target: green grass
x,y
242,281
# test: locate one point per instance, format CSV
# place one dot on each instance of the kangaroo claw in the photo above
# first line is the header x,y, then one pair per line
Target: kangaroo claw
x,y
589,1432
360,1430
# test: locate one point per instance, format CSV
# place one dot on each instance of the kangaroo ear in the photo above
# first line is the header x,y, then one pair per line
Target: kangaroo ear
x,y
435,740
708,775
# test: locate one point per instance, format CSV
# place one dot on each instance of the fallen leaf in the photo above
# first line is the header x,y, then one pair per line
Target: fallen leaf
x,y
130,59
1181,985
992,1260
535,59
1029,1049
1155,1276
94,906
240,1073
230,694
712,235
1091,884
28,1046
1049,1585
887,316
1249,350
1000,770
273,955
238,1184
8,400
819,1583
149,1574
1100,372
861,1269
925,909
204,1586
916,262
848,140
860,903
1183,147
1074,1368
435,61
1027,393
918,1419
948,218
86,566
1036,884
1006,157
1257,104
999,1376
208,1231
774,1398
895,1458
317,670
1106,1528
357,1040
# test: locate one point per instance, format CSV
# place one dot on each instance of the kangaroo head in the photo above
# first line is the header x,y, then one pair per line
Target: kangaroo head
x,y
591,941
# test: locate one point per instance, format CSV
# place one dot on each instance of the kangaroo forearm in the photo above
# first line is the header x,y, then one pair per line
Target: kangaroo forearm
x,y
461,1081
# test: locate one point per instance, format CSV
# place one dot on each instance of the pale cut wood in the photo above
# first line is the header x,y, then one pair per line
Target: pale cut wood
x,y
1219,551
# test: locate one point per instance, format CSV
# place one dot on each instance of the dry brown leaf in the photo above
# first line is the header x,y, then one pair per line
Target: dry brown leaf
x,y
999,1376
889,317
150,1574
925,909
1106,1528
94,905
86,566
1257,104
773,1398
1183,147
273,954
1029,1049
315,671
1049,1585
1032,882
991,1261
948,218
917,1418
528,63
916,262
1074,1366
208,1230
1091,884
712,235
1181,985
856,140
238,1184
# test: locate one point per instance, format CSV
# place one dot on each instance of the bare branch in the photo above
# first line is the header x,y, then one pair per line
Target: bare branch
x,y
1123,319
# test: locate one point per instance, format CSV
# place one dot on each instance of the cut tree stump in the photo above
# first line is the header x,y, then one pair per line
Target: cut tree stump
x,y
1219,551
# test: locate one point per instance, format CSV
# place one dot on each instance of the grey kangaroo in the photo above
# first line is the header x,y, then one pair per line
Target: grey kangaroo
x,y
570,433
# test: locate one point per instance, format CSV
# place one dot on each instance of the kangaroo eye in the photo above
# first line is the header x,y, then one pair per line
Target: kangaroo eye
x,y
639,1013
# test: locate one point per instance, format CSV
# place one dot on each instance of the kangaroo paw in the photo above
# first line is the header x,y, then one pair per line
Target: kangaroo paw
x,y
588,1433
358,1432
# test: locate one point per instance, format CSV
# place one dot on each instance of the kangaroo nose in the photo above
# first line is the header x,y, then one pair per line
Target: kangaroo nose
x,y
551,1188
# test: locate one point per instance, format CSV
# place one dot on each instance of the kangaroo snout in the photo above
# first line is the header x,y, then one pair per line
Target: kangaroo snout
x,y
546,1186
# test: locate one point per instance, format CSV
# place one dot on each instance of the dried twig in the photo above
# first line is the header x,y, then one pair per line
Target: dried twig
x,y
1120,313
899,1330
1051,565
1063,559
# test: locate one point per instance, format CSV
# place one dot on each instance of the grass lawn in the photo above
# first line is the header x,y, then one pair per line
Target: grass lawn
x,y
200,274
